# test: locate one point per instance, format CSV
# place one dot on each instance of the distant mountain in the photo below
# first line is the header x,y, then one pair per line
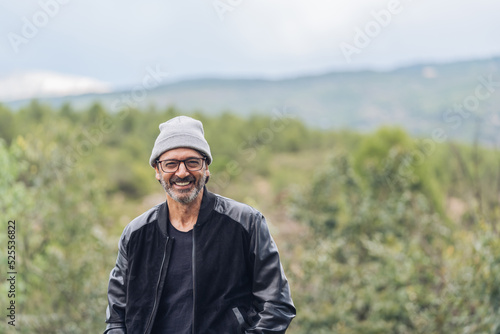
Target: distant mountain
x,y
45,84
421,98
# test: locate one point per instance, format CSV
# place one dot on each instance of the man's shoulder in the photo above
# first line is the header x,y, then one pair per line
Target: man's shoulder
x,y
140,221
237,211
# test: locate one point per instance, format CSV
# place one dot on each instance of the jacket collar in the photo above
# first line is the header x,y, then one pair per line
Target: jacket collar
x,y
206,208
162,217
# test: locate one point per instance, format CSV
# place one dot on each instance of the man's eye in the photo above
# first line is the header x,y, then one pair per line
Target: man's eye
x,y
170,165
193,163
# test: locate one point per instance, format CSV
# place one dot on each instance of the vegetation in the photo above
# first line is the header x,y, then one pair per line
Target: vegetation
x,y
379,233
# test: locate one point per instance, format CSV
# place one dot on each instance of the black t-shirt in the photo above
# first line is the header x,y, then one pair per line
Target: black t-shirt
x,y
175,311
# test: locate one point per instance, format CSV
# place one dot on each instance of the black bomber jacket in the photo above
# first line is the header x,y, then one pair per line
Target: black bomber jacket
x,y
239,284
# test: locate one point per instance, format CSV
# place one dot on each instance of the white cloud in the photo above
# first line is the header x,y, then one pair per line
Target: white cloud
x,y
47,84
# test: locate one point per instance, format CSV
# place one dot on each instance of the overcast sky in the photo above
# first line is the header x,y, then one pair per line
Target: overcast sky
x,y
116,41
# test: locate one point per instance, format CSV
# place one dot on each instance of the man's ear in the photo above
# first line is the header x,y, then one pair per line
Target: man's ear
x,y
158,174
207,177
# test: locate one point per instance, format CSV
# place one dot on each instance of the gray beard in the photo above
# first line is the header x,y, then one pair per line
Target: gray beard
x,y
190,195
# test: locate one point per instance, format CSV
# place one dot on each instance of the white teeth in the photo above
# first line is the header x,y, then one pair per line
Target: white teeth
x,y
182,183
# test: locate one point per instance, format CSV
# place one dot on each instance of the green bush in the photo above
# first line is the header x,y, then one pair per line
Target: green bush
x,y
62,251
390,264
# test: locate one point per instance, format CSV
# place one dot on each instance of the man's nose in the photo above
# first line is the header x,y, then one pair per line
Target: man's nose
x,y
182,170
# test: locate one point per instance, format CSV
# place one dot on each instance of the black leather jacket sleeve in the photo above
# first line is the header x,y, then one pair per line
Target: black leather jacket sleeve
x,y
115,312
272,298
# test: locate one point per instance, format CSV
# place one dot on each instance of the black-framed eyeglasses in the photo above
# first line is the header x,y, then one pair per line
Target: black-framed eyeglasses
x,y
172,165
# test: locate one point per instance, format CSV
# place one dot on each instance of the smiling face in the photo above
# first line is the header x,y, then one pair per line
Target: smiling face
x,y
183,186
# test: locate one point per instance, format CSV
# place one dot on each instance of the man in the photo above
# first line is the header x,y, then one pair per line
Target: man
x,y
199,263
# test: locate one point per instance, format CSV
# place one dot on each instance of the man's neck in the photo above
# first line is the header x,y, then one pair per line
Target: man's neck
x,y
184,216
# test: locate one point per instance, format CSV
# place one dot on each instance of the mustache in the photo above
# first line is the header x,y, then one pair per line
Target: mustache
x,y
184,179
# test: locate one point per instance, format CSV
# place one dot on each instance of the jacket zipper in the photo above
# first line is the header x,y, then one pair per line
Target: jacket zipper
x,y
194,276
155,305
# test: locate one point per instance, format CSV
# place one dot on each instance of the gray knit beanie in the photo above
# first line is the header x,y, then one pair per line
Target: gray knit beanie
x,y
181,131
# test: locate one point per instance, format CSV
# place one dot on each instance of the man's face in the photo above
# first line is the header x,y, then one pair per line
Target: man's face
x,y
183,186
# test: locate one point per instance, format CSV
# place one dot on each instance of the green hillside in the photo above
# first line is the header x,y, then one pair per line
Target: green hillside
x,y
378,232
419,98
